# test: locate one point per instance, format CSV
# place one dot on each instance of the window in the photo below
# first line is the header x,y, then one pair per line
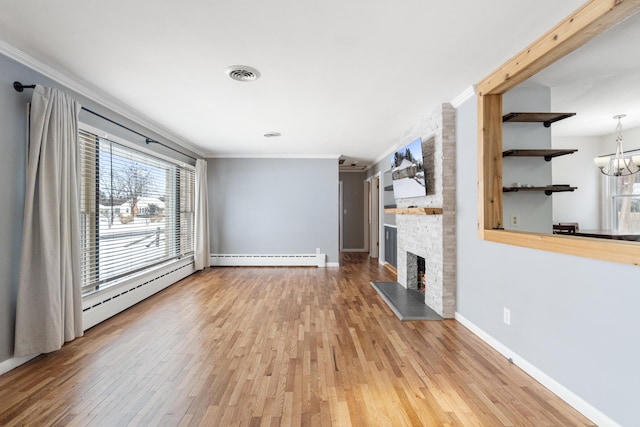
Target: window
x,y
136,211
624,202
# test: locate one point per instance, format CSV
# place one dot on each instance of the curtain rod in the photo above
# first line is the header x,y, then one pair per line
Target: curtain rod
x,y
20,87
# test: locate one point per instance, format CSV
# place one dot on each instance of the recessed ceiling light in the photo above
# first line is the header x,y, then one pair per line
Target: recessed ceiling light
x,y
272,134
242,73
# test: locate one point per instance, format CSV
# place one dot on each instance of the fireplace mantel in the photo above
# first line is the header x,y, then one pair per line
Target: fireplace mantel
x,y
414,211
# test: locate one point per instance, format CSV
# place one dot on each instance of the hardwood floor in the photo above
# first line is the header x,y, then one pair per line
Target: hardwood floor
x,y
276,346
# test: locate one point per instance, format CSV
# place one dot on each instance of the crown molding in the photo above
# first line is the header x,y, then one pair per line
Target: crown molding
x,y
455,103
387,153
354,171
90,92
273,156
464,96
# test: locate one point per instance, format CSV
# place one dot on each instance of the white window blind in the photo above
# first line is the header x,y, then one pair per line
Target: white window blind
x,y
136,211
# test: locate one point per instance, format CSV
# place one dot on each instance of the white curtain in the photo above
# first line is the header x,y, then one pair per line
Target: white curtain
x,y
201,256
49,305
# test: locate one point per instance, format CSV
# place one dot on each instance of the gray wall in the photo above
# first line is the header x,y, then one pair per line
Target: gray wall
x,y
12,141
12,171
273,206
382,166
533,209
574,318
353,204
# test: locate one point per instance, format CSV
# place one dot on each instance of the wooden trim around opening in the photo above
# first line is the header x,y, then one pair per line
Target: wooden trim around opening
x,y
593,18
621,251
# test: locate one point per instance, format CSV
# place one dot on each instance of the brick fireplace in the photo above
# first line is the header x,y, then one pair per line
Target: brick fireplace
x,y
432,236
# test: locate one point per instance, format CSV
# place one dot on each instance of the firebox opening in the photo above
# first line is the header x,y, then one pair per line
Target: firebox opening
x,y
416,276
421,280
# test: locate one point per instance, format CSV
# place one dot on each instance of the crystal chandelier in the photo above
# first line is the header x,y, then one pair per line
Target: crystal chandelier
x,y
617,165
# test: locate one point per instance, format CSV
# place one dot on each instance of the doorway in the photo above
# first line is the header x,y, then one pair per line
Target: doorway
x,y
374,216
341,214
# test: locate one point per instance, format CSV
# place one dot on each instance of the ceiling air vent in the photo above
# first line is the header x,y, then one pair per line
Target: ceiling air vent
x,y
242,73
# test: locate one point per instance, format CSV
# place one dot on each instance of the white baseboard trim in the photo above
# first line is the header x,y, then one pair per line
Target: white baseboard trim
x,y
355,250
333,264
555,387
268,260
14,362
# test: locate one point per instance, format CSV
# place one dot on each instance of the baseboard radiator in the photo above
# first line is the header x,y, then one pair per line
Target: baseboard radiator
x,y
292,260
103,305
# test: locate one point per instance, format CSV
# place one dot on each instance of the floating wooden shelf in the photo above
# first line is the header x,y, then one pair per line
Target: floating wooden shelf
x,y
414,211
545,118
547,154
547,189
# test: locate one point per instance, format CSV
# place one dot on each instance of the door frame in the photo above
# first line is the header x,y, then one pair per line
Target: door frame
x,y
376,243
341,214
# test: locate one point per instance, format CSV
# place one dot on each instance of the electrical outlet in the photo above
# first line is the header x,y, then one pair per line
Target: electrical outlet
x,y
507,316
515,221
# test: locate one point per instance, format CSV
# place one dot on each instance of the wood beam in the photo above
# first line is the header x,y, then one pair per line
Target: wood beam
x,y
595,17
490,162
607,250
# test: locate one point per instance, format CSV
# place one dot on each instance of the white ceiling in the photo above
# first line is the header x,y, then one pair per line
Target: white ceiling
x,y
597,81
338,77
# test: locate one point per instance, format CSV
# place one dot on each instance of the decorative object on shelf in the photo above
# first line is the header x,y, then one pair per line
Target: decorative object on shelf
x,y
616,164
565,228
